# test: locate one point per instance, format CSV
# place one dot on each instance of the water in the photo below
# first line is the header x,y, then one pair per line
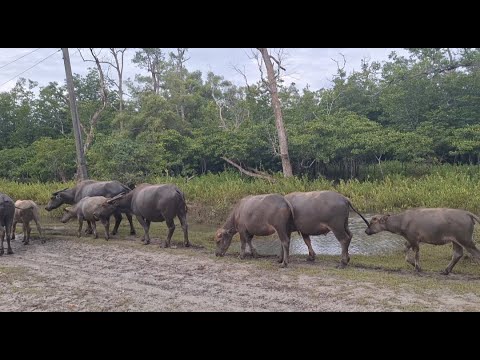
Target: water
x,y
363,244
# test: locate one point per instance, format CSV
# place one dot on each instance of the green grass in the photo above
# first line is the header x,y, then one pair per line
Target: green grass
x,y
211,196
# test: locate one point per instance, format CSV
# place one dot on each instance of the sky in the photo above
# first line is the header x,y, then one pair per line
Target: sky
x,y
314,67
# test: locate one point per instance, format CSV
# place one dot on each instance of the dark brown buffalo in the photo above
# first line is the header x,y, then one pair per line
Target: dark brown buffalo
x,y
436,226
259,215
319,212
85,188
26,211
149,203
7,212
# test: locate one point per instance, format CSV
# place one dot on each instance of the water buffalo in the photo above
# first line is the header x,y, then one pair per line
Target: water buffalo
x,y
84,188
7,212
260,215
149,203
319,212
87,209
26,211
436,226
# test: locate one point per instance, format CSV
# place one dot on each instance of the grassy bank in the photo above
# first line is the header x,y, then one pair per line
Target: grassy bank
x,y
212,195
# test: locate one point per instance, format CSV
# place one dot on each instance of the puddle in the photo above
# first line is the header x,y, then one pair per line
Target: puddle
x,y
361,243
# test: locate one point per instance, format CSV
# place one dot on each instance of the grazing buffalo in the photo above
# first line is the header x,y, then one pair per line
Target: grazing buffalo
x,y
319,212
437,226
87,209
26,211
85,188
149,203
7,212
260,215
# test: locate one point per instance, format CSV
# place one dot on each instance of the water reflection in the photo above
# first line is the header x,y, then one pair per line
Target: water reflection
x,y
362,243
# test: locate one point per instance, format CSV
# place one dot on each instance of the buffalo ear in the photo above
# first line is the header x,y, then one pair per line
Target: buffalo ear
x,y
384,219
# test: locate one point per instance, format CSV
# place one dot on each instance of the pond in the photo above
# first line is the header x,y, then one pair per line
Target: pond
x,y
361,243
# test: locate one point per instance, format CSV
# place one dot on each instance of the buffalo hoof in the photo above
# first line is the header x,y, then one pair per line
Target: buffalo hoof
x,y
341,266
131,233
9,252
283,265
44,241
114,232
280,260
255,255
1,252
26,242
187,244
241,257
145,242
13,237
311,258
444,272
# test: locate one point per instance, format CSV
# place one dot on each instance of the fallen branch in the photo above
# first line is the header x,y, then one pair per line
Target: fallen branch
x,y
249,173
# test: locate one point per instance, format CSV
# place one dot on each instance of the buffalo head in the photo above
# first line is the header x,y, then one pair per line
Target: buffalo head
x,y
377,224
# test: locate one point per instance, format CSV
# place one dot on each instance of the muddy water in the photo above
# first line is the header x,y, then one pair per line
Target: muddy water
x,y
361,243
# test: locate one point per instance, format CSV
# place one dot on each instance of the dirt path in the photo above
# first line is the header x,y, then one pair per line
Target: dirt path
x,y
83,275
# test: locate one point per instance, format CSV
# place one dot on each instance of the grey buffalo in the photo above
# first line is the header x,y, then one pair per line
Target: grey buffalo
x,y
25,212
87,209
7,212
85,188
149,203
319,212
437,226
260,215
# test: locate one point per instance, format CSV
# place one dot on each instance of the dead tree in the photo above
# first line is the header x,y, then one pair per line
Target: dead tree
x,y
271,83
90,134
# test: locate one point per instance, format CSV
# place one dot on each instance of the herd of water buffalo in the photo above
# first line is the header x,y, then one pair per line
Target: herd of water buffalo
x,y
308,213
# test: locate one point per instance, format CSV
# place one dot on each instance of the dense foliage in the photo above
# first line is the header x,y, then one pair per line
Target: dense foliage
x,y
422,109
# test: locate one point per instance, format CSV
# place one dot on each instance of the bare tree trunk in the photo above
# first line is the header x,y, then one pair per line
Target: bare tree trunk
x,y
118,66
103,94
277,109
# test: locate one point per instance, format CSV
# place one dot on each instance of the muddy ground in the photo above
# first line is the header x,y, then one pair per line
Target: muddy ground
x,y
71,274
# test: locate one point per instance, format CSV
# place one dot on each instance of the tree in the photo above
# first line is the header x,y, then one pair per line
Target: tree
x,y
152,60
103,92
271,83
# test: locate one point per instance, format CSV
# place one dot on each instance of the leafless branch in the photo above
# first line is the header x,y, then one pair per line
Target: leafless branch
x,y
249,173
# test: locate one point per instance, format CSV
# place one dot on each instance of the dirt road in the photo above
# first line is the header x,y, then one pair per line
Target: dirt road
x,y
67,274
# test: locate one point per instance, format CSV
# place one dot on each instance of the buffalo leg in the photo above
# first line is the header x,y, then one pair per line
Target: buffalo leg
x,y
2,235
183,222
26,233
14,227
118,219
80,225
457,255
311,253
106,224
285,240
8,229
129,218
416,250
252,249
94,228
344,238
171,228
146,228
243,243
39,228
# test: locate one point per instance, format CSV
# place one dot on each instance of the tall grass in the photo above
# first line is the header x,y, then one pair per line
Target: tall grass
x,y
454,187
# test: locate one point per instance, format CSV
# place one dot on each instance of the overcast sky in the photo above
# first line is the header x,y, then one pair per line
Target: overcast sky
x,y
312,66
